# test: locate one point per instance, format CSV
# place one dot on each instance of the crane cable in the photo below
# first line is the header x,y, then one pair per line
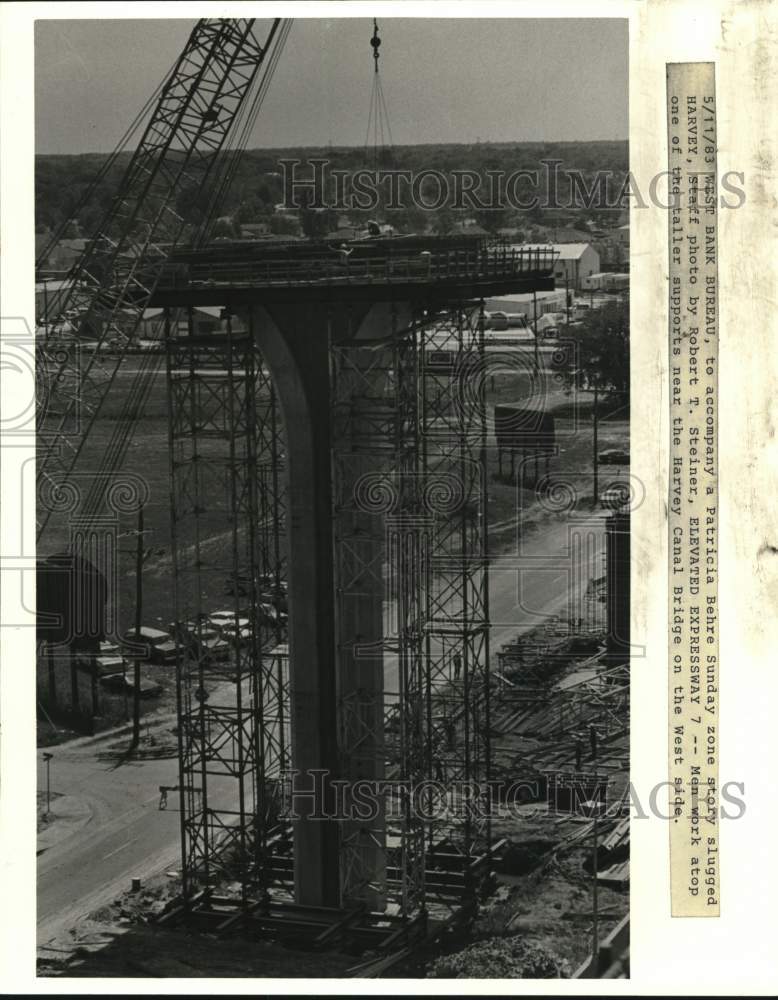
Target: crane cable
x,y
245,125
378,114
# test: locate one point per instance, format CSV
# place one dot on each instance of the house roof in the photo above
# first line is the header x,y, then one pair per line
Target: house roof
x,y
522,298
566,251
568,235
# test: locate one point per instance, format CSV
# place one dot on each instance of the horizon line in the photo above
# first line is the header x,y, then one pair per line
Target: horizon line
x,y
407,145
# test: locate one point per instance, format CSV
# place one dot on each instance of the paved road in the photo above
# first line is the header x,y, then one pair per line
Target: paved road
x,y
128,835
547,575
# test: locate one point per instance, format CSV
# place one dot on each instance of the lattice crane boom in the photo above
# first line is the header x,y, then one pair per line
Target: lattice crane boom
x,y
112,283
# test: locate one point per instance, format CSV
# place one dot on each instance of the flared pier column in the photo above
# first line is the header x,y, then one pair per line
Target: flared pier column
x,y
327,370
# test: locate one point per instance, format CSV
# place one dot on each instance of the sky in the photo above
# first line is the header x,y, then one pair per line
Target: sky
x,y
444,80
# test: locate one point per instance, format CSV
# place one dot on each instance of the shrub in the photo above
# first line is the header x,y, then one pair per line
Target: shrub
x,y
501,958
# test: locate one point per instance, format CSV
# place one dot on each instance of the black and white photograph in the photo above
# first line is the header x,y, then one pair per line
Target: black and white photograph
x,y
334,498
388,539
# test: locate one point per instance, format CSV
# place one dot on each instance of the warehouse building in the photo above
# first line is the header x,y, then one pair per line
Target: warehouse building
x,y
575,261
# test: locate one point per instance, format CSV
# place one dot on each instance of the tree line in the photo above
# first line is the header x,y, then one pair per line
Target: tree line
x,y
257,187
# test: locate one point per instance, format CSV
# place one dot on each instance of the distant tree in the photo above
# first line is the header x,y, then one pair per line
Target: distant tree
x,y
601,364
357,217
408,220
251,209
284,225
602,348
535,214
223,228
580,217
60,181
315,223
189,205
492,219
444,221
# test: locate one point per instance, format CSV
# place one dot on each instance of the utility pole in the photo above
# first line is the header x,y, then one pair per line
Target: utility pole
x,y
47,757
595,919
46,311
594,439
73,657
138,613
52,674
141,556
535,314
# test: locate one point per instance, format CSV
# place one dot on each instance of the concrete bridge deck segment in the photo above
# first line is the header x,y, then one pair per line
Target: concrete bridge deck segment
x,y
400,269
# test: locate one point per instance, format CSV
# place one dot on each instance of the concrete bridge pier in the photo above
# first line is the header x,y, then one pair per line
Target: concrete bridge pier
x,y
336,592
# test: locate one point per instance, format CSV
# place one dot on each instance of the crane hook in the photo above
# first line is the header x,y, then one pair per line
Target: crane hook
x,y
375,42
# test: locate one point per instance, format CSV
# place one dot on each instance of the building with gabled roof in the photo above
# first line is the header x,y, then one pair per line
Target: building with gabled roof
x,y
575,261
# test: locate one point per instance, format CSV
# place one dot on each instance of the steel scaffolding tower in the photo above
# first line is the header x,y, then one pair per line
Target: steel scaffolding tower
x,y
408,440
227,517
453,465
408,454
380,546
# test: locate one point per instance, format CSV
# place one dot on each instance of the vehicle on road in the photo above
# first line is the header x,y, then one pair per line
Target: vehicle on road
x,y
614,456
229,625
202,640
110,659
156,646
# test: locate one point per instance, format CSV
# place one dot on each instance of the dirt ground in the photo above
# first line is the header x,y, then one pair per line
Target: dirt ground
x,y
549,904
542,895
45,819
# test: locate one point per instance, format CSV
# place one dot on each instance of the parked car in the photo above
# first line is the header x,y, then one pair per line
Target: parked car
x,y
228,623
202,640
215,645
275,593
614,456
156,646
229,627
109,660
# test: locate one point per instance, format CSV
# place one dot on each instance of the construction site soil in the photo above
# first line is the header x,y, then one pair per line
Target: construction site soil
x,y
542,897
543,894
